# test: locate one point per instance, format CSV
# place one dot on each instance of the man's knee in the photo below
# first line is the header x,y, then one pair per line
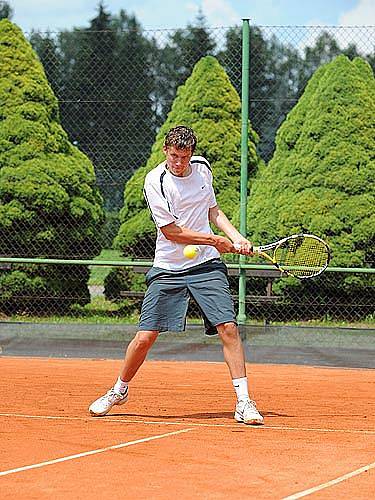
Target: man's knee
x,y
144,339
228,331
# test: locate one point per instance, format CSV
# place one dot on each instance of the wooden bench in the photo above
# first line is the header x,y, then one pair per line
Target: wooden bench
x,y
133,295
270,274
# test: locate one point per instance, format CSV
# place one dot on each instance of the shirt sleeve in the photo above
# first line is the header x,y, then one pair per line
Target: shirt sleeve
x,y
158,205
212,197
212,202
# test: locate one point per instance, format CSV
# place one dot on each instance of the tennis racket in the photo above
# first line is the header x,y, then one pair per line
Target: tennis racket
x,y
300,255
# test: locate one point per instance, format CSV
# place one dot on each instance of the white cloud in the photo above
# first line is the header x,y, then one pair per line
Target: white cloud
x,y
362,14
220,13
216,12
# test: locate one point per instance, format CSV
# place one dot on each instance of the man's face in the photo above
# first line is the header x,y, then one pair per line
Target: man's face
x,y
178,160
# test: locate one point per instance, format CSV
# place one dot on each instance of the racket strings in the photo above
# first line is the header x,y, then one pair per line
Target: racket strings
x,y
307,256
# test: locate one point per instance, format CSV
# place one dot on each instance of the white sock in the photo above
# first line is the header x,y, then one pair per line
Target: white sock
x,y
240,386
120,386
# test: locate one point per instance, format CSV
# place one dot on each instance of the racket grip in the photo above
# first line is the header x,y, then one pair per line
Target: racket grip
x,y
237,246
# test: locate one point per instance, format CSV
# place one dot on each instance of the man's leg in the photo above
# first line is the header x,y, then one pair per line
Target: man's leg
x,y
135,355
232,349
246,410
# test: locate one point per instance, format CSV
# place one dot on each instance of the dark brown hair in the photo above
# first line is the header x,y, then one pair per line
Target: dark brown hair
x,y
181,137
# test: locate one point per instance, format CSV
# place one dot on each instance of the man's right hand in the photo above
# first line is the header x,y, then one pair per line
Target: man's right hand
x,y
224,245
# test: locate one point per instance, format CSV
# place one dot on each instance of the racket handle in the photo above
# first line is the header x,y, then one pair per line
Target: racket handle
x,y
237,246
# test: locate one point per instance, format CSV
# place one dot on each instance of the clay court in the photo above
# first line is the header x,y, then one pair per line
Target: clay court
x,y
177,436
284,118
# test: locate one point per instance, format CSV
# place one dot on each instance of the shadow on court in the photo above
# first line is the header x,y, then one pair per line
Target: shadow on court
x,y
228,415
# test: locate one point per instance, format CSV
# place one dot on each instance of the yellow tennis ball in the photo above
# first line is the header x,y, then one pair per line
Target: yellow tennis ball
x,y
190,251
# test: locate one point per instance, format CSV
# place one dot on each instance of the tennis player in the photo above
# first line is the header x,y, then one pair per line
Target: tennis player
x,y
182,202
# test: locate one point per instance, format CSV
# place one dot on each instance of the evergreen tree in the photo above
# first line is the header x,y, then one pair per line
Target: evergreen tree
x,y
6,11
321,177
275,91
107,87
49,204
210,105
325,49
278,76
273,84
89,118
45,45
175,61
134,84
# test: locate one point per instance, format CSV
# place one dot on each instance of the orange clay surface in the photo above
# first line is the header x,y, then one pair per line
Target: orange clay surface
x,y
176,436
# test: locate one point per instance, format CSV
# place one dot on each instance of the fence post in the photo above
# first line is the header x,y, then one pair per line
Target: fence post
x,y
241,318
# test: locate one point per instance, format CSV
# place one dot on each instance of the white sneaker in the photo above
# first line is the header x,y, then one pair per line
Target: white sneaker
x,y
246,412
101,406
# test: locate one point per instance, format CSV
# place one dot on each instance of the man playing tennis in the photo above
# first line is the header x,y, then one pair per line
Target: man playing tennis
x,y
182,202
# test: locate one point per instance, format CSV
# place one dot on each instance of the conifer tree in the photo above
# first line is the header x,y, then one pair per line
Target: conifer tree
x,y
209,104
49,203
321,177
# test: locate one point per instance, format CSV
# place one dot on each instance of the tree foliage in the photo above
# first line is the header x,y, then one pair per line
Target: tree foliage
x,y
116,83
49,203
106,110
278,76
321,177
6,11
209,104
175,60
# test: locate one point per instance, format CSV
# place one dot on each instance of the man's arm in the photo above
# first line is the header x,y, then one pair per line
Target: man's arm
x,y
220,220
181,234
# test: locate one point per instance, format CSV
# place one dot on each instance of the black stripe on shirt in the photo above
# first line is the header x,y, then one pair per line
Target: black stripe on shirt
x,y
148,204
163,193
202,162
161,183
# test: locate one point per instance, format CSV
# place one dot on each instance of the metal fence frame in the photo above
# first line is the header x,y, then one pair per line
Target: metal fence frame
x,y
241,266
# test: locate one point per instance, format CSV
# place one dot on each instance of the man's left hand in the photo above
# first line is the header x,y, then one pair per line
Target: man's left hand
x,y
243,246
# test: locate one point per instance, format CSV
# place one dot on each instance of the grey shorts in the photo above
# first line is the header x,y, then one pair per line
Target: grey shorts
x,y
166,301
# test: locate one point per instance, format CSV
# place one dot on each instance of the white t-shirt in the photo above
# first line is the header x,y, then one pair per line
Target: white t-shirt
x,y
186,202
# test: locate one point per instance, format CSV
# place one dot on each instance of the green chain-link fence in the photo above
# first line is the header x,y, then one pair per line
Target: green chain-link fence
x,y
115,88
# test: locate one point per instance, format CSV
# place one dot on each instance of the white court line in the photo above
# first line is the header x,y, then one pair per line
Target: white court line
x,y
109,420
92,452
330,483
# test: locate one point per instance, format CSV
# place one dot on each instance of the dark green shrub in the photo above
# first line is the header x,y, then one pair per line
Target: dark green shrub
x,y
124,279
49,203
321,177
110,228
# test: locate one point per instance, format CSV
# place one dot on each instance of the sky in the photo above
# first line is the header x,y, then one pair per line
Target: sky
x,y
54,15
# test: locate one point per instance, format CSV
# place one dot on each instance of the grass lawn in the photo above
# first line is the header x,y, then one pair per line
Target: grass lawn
x,y
98,273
